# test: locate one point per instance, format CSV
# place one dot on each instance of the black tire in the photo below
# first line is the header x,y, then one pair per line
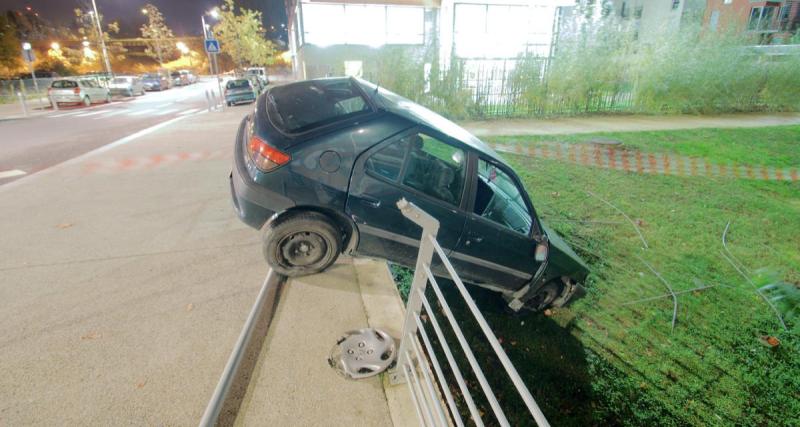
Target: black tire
x,y
301,244
545,296
87,101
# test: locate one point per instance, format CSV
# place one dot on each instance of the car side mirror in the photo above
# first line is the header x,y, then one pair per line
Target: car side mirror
x,y
542,248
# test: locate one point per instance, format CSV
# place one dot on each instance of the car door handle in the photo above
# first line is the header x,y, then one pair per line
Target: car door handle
x,y
371,201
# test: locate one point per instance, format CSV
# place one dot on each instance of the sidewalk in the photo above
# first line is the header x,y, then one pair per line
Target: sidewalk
x,y
13,110
626,123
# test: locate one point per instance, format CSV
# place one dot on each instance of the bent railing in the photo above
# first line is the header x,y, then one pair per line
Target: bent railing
x,y
417,360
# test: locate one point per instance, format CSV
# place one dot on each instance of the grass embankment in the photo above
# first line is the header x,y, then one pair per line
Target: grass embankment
x,y
607,360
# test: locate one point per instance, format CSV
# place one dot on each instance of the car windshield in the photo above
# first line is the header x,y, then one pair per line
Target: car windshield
x,y
64,84
303,106
121,80
238,84
175,74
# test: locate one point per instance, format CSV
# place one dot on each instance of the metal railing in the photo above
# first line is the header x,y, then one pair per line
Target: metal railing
x,y
429,387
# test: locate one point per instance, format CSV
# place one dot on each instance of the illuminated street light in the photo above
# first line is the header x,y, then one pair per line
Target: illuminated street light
x,y
144,11
85,43
214,13
182,47
55,46
26,46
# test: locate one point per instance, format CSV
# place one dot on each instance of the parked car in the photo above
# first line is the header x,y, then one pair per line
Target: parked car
x,y
239,91
320,165
155,81
259,72
77,91
188,77
178,79
126,86
257,84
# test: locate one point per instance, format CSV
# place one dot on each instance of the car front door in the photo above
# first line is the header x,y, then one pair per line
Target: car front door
x,y
497,247
420,168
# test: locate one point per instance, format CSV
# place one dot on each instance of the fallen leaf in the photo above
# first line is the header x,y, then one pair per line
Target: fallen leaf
x,y
141,384
769,341
64,225
640,222
91,335
548,312
555,194
189,307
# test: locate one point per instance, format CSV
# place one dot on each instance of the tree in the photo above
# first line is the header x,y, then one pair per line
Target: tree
x,y
10,48
157,33
242,36
87,28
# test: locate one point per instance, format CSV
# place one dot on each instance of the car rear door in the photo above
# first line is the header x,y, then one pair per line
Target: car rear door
x,y
416,166
497,247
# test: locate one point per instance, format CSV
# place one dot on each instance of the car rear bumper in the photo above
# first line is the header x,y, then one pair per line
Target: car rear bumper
x,y
120,91
240,97
255,204
66,98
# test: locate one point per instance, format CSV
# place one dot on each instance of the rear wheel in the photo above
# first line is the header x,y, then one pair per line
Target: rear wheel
x,y
86,101
108,98
301,244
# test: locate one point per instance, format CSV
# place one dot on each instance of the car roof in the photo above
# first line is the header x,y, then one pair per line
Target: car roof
x,y
418,114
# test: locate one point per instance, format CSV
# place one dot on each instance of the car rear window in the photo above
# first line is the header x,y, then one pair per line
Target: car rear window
x,y
64,84
307,105
238,84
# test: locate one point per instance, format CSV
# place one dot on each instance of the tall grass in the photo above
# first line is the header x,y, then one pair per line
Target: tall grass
x,y
606,67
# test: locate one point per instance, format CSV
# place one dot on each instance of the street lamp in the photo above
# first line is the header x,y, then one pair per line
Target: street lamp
x,y
27,53
214,13
209,34
144,11
96,20
185,51
55,46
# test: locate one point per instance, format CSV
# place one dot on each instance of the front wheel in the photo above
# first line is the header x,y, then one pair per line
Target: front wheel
x,y
545,296
301,244
86,101
108,98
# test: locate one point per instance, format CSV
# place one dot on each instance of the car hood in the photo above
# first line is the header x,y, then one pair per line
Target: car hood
x,y
562,255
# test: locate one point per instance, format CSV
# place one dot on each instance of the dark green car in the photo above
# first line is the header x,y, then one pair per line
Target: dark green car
x,y
320,165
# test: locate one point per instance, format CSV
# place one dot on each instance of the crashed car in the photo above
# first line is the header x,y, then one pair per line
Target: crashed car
x,y
320,165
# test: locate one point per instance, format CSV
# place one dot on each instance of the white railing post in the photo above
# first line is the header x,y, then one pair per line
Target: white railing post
x,y
430,227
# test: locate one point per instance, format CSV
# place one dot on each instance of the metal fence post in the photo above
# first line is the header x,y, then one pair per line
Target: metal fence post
x,y
208,100
22,102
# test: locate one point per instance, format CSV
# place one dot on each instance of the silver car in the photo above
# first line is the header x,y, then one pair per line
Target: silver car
x,y
77,90
126,86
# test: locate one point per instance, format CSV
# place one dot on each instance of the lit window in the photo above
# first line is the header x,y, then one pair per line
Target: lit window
x,y
363,24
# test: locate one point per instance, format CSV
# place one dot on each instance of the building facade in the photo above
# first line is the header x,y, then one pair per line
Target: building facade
x,y
771,22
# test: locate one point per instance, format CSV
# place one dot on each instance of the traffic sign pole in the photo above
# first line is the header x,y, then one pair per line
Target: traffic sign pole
x,y
212,48
27,53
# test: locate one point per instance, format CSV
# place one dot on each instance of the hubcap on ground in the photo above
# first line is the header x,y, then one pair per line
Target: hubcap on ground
x,y
303,248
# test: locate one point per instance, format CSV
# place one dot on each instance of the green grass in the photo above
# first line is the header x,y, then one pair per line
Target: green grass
x,y
600,362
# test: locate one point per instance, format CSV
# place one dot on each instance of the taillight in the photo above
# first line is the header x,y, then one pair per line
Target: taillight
x,y
76,91
266,157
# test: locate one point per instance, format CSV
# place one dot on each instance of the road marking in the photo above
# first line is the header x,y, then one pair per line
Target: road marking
x,y
110,113
66,114
140,112
193,110
167,111
91,113
11,173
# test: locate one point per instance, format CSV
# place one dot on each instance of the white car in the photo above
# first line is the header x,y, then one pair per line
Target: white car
x,y
259,72
77,90
126,86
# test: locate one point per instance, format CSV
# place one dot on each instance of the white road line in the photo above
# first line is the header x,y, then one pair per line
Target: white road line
x,y
11,173
66,114
140,112
167,111
110,113
183,113
91,113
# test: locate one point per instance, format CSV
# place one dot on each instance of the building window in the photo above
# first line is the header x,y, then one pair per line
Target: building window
x,y
675,4
496,31
326,24
727,2
713,22
761,18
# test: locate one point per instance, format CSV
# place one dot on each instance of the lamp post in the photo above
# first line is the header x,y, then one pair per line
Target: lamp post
x,y
209,34
185,51
102,38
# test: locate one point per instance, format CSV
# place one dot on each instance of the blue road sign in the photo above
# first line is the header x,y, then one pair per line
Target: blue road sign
x,y
212,46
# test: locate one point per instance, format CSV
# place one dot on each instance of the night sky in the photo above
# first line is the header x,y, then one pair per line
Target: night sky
x,y
183,16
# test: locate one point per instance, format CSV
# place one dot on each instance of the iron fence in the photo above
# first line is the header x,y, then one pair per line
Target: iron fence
x,y
418,363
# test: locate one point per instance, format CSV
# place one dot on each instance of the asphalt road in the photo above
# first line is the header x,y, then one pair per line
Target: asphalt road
x,y
30,145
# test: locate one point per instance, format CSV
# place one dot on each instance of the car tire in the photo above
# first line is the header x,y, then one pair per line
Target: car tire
x,y
545,296
87,101
301,244
130,93
108,98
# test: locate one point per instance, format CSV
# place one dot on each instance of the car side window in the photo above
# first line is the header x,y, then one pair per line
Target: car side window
x,y
499,200
388,161
435,168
